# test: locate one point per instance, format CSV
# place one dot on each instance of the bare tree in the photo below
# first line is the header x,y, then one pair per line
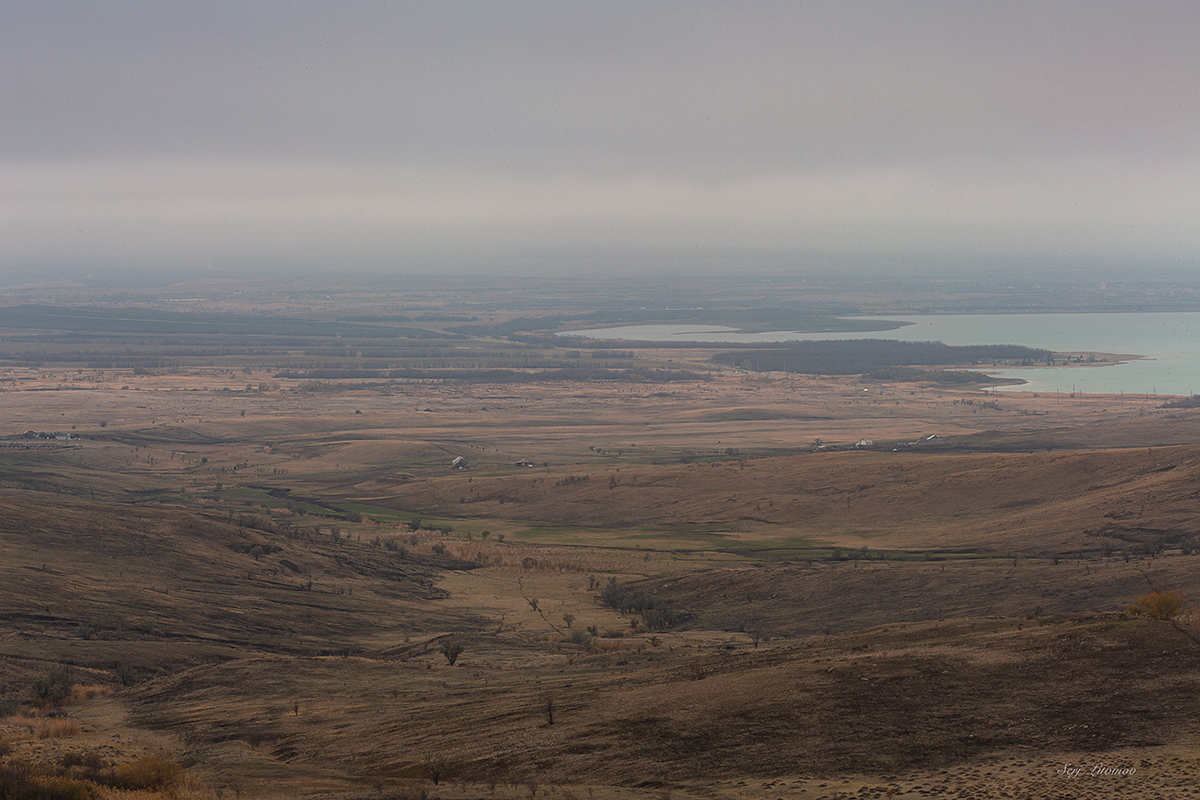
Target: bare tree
x,y
756,634
435,767
451,650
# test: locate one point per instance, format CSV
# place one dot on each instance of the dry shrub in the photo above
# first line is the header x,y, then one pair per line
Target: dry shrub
x,y
154,772
513,558
54,687
1158,605
189,788
408,790
24,780
89,691
109,793
1192,617
85,776
58,729
540,560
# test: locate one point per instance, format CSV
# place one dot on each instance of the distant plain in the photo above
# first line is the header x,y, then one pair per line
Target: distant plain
x,y
255,547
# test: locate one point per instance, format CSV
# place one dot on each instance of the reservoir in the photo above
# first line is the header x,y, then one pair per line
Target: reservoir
x,y
1168,343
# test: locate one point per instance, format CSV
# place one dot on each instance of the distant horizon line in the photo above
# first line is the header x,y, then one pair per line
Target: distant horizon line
x,y
646,268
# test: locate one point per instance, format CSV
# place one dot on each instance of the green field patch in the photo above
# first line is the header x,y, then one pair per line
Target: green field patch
x,y
244,493
695,528
776,554
799,546
773,551
644,540
380,514
564,535
745,414
295,506
555,530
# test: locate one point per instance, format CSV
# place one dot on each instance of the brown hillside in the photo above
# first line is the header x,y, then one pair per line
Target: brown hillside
x,y
878,703
788,601
1028,502
131,591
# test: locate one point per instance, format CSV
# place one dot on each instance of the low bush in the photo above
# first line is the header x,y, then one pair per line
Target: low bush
x,y
89,761
408,790
1186,402
451,650
54,687
86,776
58,729
150,773
81,692
22,781
655,611
1158,605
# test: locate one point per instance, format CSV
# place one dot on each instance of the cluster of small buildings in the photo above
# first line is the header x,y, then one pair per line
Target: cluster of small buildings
x,y
461,463
62,437
930,440
39,439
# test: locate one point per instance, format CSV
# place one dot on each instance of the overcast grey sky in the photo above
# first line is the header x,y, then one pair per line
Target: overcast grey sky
x,y
344,134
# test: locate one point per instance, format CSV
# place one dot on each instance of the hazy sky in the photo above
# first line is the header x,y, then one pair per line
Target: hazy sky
x,y
340,134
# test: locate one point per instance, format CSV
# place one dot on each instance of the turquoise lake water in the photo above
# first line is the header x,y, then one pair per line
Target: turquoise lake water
x,y
1169,344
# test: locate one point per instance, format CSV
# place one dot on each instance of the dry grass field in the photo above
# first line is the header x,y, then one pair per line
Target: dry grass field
x,y
696,589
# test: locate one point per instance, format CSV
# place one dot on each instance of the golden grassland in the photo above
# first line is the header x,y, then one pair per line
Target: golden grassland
x,y
258,587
